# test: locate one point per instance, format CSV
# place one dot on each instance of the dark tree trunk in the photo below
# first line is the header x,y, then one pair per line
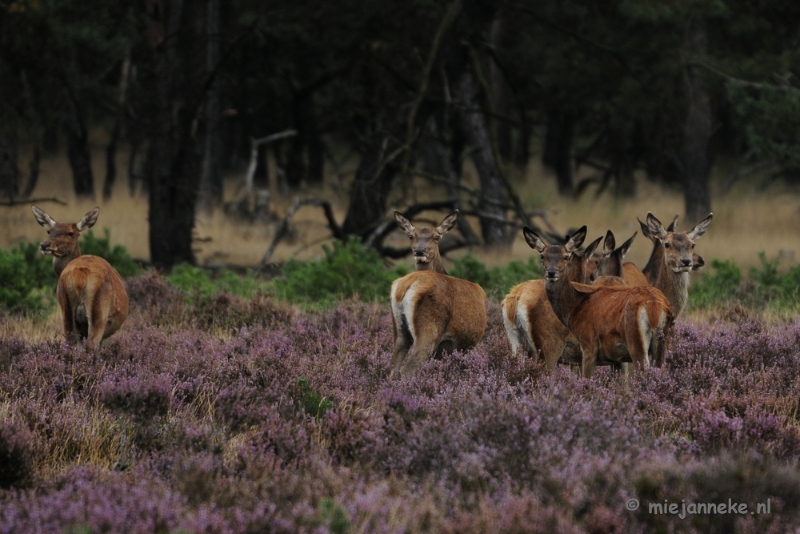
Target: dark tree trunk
x,y
175,162
111,149
622,162
373,180
33,176
440,163
9,171
473,127
80,160
501,95
211,177
696,153
557,153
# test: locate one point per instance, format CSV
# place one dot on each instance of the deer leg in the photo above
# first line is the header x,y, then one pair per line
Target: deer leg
x,y
98,318
402,342
589,363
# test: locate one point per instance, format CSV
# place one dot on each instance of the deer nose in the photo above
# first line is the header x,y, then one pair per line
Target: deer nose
x,y
551,273
44,245
686,261
419,252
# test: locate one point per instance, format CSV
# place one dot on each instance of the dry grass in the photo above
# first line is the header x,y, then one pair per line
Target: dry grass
x,y
746,220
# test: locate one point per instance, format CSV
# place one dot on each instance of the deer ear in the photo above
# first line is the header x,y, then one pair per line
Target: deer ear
x,y
533,240
590,248
626,246
673,226
448,223
88,220
404,224
609,244
701,227
43,218
576,240
645,230
655,228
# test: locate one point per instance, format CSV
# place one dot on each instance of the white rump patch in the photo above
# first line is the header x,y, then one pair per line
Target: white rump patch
x,y
405,308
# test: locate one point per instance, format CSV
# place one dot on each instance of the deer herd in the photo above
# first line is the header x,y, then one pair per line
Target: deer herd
x,y
585,312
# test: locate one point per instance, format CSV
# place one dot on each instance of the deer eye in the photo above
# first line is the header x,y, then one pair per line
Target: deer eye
x,y
541,256
70,234
666,245
692,246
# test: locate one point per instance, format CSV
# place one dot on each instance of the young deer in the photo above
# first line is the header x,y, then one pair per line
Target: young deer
x,y
90,292
531,324
432,312
672,258
609,268
611,324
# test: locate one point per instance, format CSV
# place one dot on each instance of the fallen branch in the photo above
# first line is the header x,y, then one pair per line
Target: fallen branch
x,y
31,201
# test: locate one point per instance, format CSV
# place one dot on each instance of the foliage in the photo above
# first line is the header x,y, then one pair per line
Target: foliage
x,y
27,282
716,287
200,283
118,256
346,270
498,280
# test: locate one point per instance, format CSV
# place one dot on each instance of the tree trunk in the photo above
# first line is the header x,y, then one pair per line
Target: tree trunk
x,y
175,162
696,152
211,177
557,153
80,160
501,94
9,171
373,180
111,149
476,134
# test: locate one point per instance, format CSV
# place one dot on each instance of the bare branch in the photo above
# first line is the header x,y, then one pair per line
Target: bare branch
x,y
32,201
283,230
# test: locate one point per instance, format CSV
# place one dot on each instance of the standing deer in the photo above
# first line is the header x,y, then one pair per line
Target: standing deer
x,y
672,258
432,312
531,324
611,324
609,268
90,292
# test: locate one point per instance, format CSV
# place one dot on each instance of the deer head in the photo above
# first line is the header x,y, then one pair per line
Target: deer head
x,y
425,241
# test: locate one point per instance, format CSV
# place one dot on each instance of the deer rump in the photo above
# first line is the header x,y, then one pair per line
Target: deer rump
x,y
622,324
435,313
91,292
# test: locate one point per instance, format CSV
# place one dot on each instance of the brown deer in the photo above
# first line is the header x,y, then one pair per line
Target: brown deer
x,y
90,292
609,268
672,258
432,312
531,324
611,324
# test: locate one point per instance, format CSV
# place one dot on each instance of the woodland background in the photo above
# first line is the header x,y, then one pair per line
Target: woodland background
x,y
507,110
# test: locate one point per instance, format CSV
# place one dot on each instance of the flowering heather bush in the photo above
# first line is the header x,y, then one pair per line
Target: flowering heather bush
x,y
270,419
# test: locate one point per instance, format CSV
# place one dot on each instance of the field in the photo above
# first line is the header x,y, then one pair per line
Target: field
x,y
219,413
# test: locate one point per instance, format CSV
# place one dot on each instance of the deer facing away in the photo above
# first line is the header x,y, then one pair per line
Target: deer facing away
x,y
90,292
432,312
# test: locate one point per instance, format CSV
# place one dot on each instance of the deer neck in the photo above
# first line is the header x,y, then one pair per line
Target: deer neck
x,y
434,265
563,297
60,262
675,286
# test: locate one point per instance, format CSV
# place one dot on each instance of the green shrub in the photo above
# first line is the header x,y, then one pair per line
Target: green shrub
x,y
27,280
346,270
118,256
718,287
498,280
201,283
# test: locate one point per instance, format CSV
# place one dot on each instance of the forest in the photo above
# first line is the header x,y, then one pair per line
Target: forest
x,y
177,95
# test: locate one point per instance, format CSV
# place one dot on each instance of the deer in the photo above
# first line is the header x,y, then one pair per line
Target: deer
x,y
432,312
90,292
673,257
528,317
609,269
612,324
